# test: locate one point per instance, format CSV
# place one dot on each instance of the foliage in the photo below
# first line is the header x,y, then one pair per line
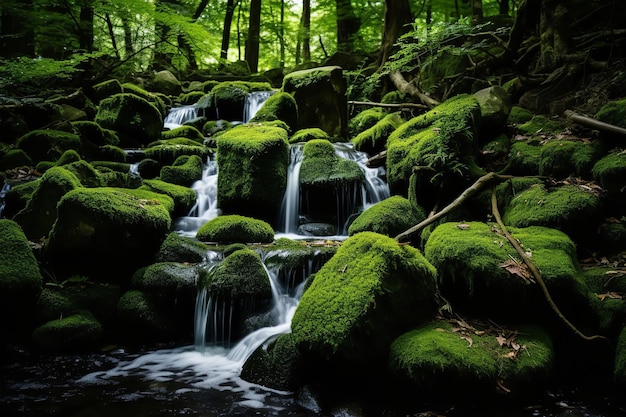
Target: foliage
x,y
40,71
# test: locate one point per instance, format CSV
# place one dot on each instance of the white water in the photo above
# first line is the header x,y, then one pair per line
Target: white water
x,y
254,101
289,212
179,115
3,192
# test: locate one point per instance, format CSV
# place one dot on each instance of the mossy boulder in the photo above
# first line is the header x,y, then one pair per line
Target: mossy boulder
x,y
305,135
252,163
441,139
439,357
14,158
481,274
92,132
374,139
142,319
495,107
229,98
241,289
136,120
366,295
40,212
157,99
177,248
389,217
235,229
167,154
165,82
564,158
275,365
279,106
184,197
542,126
569,208
107,232
48,145
365,119
320,95
519,115
75,333
17,198
106,89
188,132
185,170
20,278
525,157
613,112
610,173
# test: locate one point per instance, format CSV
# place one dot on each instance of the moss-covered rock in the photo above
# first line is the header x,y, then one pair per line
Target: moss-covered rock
x,y
188,132
170,279
525,158
542,126
359,302
106,89
75,333
495,107
135,119
96,226
274,366
155,99
20,279
185,170
167,154
17,197
234,228
564,158
374,139
441,139
438,357
40,212
320,95
569,208
365,119
389,217
184,197
519,115
229,98
14,158
165,82
94,133
46,145
279,106
68,157
143,321
610,173
305,135
613,112
322,167
481,274
177,248
252,163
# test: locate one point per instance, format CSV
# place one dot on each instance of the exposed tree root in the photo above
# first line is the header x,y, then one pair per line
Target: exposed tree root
x,y
411,89
390,105
535,271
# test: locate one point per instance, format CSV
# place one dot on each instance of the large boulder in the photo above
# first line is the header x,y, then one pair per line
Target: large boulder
x,y
371,291
320,95
390,217
279,106
165,82
107,232
74,333
252,163
185,170
235,229
48,145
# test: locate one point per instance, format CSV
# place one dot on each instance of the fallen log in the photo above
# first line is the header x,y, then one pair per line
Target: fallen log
x,y
390,105
592,123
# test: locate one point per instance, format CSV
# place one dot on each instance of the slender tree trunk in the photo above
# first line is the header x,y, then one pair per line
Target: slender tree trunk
x,y
348,25
228,20
129,49
398,18
306,26
504,7
17,37
86,28
239,33
477,11
107,18
254,29
282,34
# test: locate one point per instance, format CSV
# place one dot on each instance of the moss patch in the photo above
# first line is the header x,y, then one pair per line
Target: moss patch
x,y
374,139
305,135
235,228
322,167
70,334
390,217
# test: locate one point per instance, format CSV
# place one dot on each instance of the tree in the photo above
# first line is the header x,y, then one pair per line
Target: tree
x,y
17,37
398,18
348,25
254,29
228,20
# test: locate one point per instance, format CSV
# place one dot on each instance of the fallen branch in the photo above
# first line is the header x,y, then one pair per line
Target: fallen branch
x,y
574,117
482,182
390,105
535,271
377,160
411,89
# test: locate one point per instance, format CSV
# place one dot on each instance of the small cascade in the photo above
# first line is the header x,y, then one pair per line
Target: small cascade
x,y
254,101
289,212
205,207
179,115
3,193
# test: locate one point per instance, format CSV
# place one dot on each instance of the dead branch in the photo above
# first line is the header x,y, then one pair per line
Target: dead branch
x,y
377,160
574,117
390,105
535,271
411,89
482,182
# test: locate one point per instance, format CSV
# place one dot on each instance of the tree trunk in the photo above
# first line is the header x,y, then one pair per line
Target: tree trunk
x,y
129,49
86,28
282,34
107,18
306,28
228,20
254,29
555,33
348,25
397,21
504,7
477,11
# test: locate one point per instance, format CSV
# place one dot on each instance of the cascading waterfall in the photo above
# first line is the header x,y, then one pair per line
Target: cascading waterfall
x,y
3,192
289,212
179,115
205,207
254,101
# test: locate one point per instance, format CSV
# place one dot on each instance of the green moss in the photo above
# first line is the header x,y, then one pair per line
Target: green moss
x,y
19,271
542,125
519,115
17,197
184,197
135,119
361,298
42,145
107,166
92,132
184,171
435,355
111,153
177,248
365,119
240,276
390,217
279,106
235,228
85,172
567,208
252,162
154,99
395,97
620,359
374,139
613,112
322,167
610,172
73,333
106,89
229,97
14,158
525,158
188,132
167,278
168,154
191,97
146,197
68,157
565,158
213,127
305,135
275,365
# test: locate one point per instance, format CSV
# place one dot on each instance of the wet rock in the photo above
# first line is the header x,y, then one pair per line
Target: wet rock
x,y
317,229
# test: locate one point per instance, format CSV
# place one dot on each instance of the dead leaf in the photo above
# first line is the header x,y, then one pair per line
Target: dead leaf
x,y
501,340
468,339
520,269
510,355
463,226
610,295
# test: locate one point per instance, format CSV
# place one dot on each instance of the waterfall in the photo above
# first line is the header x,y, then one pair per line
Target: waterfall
x,y
179,115
3,192
205,207
254,101
289,211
